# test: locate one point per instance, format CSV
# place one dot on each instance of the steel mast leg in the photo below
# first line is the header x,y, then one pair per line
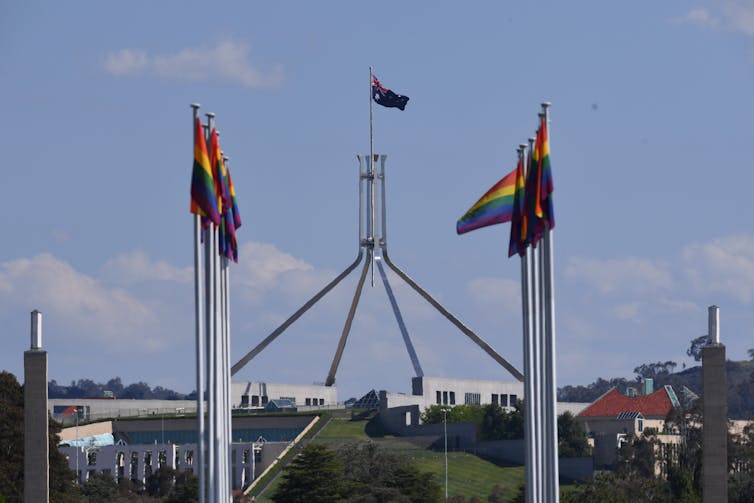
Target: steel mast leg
x,y
267,340
463,328
347,328
399,318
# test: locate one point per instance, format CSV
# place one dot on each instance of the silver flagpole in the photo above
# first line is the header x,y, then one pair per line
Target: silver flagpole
x,y
210,252
536,373
217,380
228,384
543,406
198,299
370,173
221,421
526,318
226,370
550,355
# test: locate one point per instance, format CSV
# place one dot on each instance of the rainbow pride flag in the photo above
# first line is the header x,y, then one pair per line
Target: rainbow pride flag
x,y
203,198
494,207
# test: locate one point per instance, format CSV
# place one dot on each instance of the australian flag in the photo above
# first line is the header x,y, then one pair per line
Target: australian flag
x,y
386,97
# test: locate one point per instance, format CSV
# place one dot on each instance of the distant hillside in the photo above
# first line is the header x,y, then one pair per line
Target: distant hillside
x,y
740,387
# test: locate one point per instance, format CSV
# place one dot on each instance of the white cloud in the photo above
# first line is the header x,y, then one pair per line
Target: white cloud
x,y
736,15
262,264
126,62
228,61
724,266
95,312
699,16
619,276
740,15
135,267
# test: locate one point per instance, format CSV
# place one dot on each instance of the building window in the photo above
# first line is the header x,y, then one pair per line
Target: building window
x,y
472,399
445,398
91,458
452,398
503,400
513,400
244,400
439,398
640,425
265,399
308,401
494,399
245,456
321,401
291,398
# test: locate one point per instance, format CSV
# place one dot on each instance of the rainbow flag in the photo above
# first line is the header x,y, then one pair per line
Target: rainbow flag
x,y
539,188
545,208
203,199
494,207
517,244
234,202
226,242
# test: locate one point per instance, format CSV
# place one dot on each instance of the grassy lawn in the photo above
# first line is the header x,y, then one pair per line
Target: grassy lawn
x,y
468,475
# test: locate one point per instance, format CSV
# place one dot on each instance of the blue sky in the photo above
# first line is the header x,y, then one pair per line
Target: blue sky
x,y
650,141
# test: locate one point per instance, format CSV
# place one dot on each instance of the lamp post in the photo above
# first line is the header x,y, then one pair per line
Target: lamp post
x,y
78,472
445,432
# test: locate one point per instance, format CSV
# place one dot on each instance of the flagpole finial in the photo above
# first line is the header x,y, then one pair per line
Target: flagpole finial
x,y
210,115
521,147
195,106
546,105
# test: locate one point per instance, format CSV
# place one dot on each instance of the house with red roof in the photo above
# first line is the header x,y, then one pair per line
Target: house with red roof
x,y
615,417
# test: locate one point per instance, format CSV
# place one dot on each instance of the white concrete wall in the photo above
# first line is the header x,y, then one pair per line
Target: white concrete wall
x,y
325,395
116,460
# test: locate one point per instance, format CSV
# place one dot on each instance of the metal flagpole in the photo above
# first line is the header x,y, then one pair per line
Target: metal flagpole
x,y
226,369
543,406
211,314
226,372
370,172
216,379
222,408
550,369
535,398
198,298
527,340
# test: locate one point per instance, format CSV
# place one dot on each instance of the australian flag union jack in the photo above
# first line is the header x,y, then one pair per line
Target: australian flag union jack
x,y
385,97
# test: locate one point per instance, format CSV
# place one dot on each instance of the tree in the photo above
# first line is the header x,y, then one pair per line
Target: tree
x,y
137,391
185,490
314,476
751,354
371,474
455,414
160,483
101,488
572,441
654,370
695,350
11,438
62,485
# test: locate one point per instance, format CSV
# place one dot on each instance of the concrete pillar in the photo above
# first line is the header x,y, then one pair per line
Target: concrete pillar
x,y
715,416
36,442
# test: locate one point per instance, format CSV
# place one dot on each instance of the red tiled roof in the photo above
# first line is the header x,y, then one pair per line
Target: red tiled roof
x,y
614,402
